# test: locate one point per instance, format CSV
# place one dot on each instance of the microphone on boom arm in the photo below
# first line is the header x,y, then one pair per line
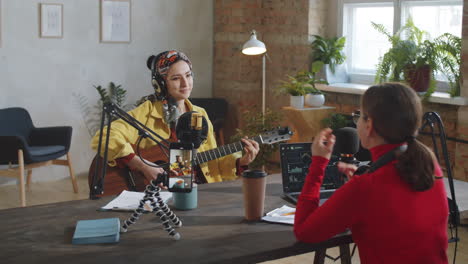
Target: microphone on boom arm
x,y
192,128
346,146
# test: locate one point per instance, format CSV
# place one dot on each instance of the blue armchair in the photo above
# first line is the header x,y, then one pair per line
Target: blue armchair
x,y
25,147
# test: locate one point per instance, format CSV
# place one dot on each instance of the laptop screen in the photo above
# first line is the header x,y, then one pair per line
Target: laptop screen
x,y
295,162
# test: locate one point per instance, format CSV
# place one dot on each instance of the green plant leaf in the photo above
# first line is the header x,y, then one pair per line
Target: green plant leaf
x,y
328,50
256,123
317,66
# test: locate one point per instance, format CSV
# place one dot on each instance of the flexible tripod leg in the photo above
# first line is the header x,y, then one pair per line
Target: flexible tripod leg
x,y
136,214
152,192
175,220
153,189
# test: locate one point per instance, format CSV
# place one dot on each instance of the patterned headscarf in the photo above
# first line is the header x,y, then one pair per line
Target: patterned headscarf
x,y
159,66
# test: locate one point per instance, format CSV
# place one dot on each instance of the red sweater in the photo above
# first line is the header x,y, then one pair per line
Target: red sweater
x,y
390,223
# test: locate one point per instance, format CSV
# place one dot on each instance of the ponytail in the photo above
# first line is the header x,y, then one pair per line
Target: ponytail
x,y
416,165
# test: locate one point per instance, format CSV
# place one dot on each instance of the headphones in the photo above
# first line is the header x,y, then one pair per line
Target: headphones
x,y
157,80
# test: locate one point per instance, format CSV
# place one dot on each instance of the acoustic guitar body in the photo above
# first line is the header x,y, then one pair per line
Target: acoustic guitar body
x,y
118,179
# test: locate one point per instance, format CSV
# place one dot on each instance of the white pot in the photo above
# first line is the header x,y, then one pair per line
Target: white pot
x,y
297,101
340,75
314,100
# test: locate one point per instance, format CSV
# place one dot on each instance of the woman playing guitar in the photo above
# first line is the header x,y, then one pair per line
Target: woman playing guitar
x,y
172,80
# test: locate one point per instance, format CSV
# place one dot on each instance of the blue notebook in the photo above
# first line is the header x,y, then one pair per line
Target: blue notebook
x,y
96,231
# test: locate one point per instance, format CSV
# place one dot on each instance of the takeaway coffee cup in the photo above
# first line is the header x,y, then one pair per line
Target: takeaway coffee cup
x,y
253,187
186,201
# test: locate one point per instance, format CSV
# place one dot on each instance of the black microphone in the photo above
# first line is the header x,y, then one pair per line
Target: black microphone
x,y
347,144
192,128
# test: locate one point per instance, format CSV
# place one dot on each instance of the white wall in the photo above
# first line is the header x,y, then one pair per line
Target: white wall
x,y
43,75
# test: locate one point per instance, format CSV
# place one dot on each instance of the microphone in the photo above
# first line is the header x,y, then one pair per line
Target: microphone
x,y
192,128
347,144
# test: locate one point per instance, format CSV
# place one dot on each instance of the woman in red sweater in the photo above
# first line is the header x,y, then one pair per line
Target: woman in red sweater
x,y
397,213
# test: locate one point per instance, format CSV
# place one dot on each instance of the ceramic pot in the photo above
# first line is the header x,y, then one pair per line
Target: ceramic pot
x,y
297,101
314,100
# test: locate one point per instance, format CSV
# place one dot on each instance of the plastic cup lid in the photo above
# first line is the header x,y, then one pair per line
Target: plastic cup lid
x,y
254,174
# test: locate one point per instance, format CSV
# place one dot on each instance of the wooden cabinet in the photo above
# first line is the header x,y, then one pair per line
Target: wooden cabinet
x,y
306,122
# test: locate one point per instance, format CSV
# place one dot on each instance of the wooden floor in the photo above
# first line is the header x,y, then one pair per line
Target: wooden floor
x,y
58,191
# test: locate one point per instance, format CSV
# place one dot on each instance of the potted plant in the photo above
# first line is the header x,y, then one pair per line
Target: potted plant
x,y
413,59
304,84
256,123
314,97
337,120
296,90
330,52
448,48
92,114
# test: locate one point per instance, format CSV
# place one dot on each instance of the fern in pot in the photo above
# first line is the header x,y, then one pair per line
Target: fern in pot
x,y
411,59
448,48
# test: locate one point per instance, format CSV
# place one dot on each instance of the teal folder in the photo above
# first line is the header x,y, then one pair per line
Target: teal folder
x,y
96,231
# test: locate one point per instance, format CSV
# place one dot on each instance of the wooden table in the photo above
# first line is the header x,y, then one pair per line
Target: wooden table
x,y
215,232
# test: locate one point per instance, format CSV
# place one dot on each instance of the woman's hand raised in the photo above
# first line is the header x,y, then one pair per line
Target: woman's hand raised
x,y
323,144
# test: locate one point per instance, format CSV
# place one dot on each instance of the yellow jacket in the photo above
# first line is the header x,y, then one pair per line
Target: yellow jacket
x,y
150,114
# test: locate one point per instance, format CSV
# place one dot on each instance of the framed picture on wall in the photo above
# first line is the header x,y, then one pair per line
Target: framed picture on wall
x,y
50,20
115,21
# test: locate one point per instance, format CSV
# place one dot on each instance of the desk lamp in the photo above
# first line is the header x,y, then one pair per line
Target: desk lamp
x,y
255,47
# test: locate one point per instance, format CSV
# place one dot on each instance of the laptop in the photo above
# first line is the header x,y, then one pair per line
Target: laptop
x,y
295,162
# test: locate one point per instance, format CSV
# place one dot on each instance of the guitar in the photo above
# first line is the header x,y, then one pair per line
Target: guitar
x,y
118,179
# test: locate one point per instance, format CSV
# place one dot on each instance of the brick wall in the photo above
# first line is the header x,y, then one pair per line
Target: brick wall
x,y
283,25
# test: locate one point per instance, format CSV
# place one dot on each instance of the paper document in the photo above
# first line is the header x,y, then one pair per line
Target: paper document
x,y
283,215
129,201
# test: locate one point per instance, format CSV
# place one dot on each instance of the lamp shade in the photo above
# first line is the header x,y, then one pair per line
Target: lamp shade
x,y
253,46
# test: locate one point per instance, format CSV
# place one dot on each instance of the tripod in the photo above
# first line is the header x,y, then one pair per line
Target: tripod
x,y
152,190
157,204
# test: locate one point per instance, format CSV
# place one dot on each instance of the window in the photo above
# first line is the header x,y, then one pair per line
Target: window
x,y
364,45
434,17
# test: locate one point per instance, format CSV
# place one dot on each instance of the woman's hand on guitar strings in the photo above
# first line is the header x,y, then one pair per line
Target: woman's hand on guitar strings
x,y
251,149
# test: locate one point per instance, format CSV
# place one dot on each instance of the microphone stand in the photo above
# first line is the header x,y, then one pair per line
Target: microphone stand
x,y
110,110
152,190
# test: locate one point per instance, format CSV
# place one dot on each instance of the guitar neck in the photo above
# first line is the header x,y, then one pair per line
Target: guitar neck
x,y
222,151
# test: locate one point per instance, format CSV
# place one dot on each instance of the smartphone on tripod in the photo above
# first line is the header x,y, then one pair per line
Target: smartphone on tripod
x,y
180,167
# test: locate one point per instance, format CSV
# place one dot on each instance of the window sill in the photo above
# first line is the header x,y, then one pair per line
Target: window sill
x,y
353,88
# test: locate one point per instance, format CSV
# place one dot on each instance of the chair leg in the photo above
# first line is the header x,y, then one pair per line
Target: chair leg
x,y
72,174
21,178
345,254
28,181
320,256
